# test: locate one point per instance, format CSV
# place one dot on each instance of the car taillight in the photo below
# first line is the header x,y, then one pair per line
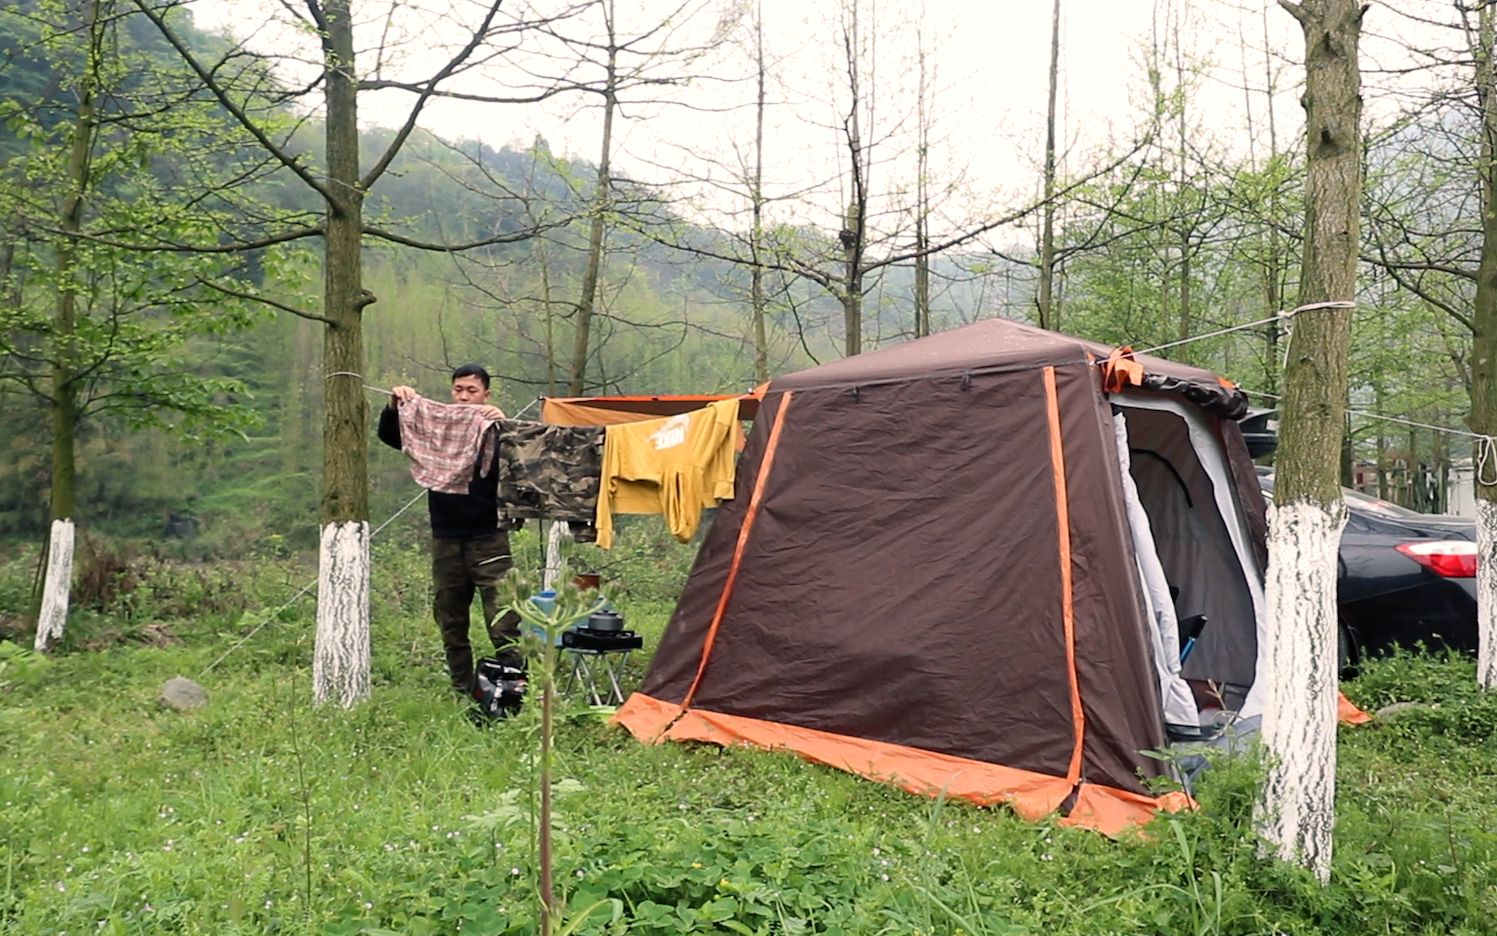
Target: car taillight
x,y
1447,558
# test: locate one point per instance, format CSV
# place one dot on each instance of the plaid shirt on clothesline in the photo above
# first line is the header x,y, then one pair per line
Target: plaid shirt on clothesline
x,y
445,442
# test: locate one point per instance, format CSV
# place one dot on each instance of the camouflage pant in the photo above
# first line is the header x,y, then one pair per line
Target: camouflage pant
x,y
458,570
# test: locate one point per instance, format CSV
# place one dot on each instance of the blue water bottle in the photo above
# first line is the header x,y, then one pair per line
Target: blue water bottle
x,y
544,602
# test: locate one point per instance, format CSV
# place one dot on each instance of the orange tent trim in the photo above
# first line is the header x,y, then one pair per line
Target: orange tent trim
x,y
1121,371
1112,811
1029,794
1063,537
611,410
757,498
1347,712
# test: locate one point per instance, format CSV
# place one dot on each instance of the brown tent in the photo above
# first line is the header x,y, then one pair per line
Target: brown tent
x,y
940,573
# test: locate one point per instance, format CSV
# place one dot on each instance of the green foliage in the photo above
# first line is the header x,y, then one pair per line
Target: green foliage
x,y
103,170
152,821
20,666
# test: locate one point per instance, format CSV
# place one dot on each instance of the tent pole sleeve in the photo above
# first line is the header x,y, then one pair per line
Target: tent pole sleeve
x,y
743,536
1063,538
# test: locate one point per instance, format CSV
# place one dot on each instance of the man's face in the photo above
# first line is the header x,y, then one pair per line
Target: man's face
x,y
469,390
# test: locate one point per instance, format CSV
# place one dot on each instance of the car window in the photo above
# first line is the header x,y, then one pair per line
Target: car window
x,y
1377,505
1373,505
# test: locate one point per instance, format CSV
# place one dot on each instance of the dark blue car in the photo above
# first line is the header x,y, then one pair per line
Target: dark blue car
x,y
1404,578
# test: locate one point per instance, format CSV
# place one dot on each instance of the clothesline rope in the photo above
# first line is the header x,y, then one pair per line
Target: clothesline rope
x,y
344,373
387,392
1485,445
313,584
1276,317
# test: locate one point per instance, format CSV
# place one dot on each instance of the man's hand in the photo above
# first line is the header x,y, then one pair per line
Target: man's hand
x,y
491,412
402,394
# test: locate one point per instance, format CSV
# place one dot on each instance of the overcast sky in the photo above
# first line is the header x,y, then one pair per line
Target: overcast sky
x,y
989,59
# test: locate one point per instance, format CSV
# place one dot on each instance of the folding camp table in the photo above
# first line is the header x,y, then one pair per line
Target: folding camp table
x,y
595,663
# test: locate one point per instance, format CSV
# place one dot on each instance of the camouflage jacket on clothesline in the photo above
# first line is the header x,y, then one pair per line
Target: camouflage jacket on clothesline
x,y
549,472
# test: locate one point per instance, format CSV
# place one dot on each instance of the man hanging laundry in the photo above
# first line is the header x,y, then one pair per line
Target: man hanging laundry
x,y
452,450
674,466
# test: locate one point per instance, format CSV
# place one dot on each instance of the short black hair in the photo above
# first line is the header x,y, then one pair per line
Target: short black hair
x,y
472,370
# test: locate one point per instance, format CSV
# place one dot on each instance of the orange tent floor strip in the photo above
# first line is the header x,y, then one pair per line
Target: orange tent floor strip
x,y
1112,811
1347,712
646,718
1030,795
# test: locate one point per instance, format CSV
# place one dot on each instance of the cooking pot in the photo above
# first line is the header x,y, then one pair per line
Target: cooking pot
x,y
605,621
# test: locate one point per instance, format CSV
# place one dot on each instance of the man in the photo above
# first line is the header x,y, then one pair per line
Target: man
x,y
469,550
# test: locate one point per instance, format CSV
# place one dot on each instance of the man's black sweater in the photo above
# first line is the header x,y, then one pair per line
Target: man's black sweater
x,y
454,516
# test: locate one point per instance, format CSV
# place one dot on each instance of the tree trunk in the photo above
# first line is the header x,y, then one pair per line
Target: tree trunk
x,y
1296,811
1382,443
854,233
922,279
340,666
53,601
1484,363
1274,270
852,284
1183,215
1187,317
52,618
756,243
1046,292
922,196
340,670
602,197
548,311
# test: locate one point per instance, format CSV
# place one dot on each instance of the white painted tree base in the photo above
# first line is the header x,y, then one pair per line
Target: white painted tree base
x,y
1296,811
558,533
1486,593
340,662
53,618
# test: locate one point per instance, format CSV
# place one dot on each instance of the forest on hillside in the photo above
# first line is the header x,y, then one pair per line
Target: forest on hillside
x,y
162,298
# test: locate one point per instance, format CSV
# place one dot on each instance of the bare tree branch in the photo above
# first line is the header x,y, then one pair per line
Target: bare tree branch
x,y
452,65
218,91
300,313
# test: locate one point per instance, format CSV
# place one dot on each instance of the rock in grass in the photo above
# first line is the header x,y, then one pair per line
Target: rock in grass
x,y
1400,709
182,694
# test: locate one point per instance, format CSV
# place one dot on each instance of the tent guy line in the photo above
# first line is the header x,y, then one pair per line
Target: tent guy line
x,y
1486,446
1276,317
313,584
292,600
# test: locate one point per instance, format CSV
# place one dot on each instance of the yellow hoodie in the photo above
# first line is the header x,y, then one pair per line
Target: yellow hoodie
x,y
673,466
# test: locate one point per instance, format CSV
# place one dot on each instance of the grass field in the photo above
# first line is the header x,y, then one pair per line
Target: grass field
x,y
261,813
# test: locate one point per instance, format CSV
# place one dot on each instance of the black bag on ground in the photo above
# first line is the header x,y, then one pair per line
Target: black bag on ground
x,y
498,689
